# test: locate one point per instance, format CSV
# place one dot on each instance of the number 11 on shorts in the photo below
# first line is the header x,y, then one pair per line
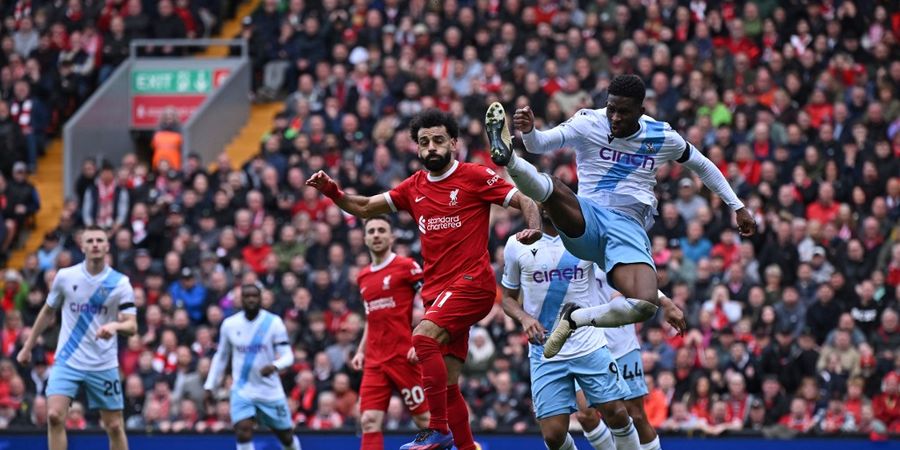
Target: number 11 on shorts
x,y
442,298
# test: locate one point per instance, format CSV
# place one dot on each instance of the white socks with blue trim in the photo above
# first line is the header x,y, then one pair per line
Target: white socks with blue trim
x,y
619,311
295,444
245,445
568,445
627,437
652,445
600,437
535,185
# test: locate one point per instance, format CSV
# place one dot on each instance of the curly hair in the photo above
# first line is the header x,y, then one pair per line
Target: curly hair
x,y
433,118
630,86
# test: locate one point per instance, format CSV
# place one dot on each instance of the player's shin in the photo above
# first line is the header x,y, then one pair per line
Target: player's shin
x,y
569,444
295,444
434,378
535,185
458,417
620,311
600,437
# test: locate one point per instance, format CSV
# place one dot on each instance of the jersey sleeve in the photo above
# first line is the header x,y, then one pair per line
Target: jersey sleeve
x,y
676,147
398,197
490,186
55,298
282,345
126,297
415,274
511,269
566,134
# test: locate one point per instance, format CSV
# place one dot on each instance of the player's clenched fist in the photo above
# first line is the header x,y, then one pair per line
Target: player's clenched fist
x,y
324,184
357,362
523,119
24,357
529,236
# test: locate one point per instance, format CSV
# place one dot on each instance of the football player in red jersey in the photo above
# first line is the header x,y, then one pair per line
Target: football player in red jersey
x,y
388,287
451,202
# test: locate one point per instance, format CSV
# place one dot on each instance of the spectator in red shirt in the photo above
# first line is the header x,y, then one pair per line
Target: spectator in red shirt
x,y
887,404
255,254
728,248
12,328
819,109
799,418
855,399
824,209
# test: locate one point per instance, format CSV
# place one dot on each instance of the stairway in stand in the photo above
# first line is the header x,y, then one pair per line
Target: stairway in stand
x,y
48,179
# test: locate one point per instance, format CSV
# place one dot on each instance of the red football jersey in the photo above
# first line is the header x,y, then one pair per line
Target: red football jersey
x,y
388,290
452,212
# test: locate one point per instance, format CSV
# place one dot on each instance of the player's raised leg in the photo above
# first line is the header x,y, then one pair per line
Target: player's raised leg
x,y
57,410
558,200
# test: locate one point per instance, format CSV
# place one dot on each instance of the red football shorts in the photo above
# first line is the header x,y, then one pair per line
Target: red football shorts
x,y
379,381
456,310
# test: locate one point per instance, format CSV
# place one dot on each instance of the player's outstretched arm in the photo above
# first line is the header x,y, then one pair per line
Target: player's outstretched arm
x,y
358,205
40,324
511,306
219,363
532,215
672,313
716,182
537,141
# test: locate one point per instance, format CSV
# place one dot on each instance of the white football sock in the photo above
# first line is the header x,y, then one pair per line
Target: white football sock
x,y
600,437
620,311
535,185
652,445
568,445
626,438
245,445
295,444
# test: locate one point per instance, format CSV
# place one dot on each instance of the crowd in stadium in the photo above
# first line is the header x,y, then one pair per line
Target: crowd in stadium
x,y
793,330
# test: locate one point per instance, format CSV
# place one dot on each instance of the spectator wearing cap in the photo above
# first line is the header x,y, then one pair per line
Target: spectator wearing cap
x,y
688,202
105,203
188,294
15,291
22,199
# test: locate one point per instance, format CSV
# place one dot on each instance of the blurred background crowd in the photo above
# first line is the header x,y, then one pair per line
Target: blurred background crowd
x,y
794,330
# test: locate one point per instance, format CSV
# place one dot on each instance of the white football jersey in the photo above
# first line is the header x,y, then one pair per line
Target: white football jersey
x,y
89,302
548,276
620,340
251,346
616,172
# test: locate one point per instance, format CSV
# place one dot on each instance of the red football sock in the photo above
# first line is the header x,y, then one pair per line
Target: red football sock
x,y
459,419
434,379
372,441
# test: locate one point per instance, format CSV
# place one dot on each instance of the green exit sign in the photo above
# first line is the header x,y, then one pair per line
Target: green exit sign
x,y
171,81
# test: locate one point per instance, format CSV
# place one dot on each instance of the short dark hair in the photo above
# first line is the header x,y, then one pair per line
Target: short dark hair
x,y
629,85
433,118
381,217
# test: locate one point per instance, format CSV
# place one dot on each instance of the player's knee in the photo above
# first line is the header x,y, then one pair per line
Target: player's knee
x,y
588,418
554,437
56,417
370,422
114,425
615,414
243,431
432,330
636,412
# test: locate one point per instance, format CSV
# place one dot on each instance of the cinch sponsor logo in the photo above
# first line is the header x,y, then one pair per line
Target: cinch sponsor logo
x,y
250,348
568,274
87,307
439,223
380,303
608,154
